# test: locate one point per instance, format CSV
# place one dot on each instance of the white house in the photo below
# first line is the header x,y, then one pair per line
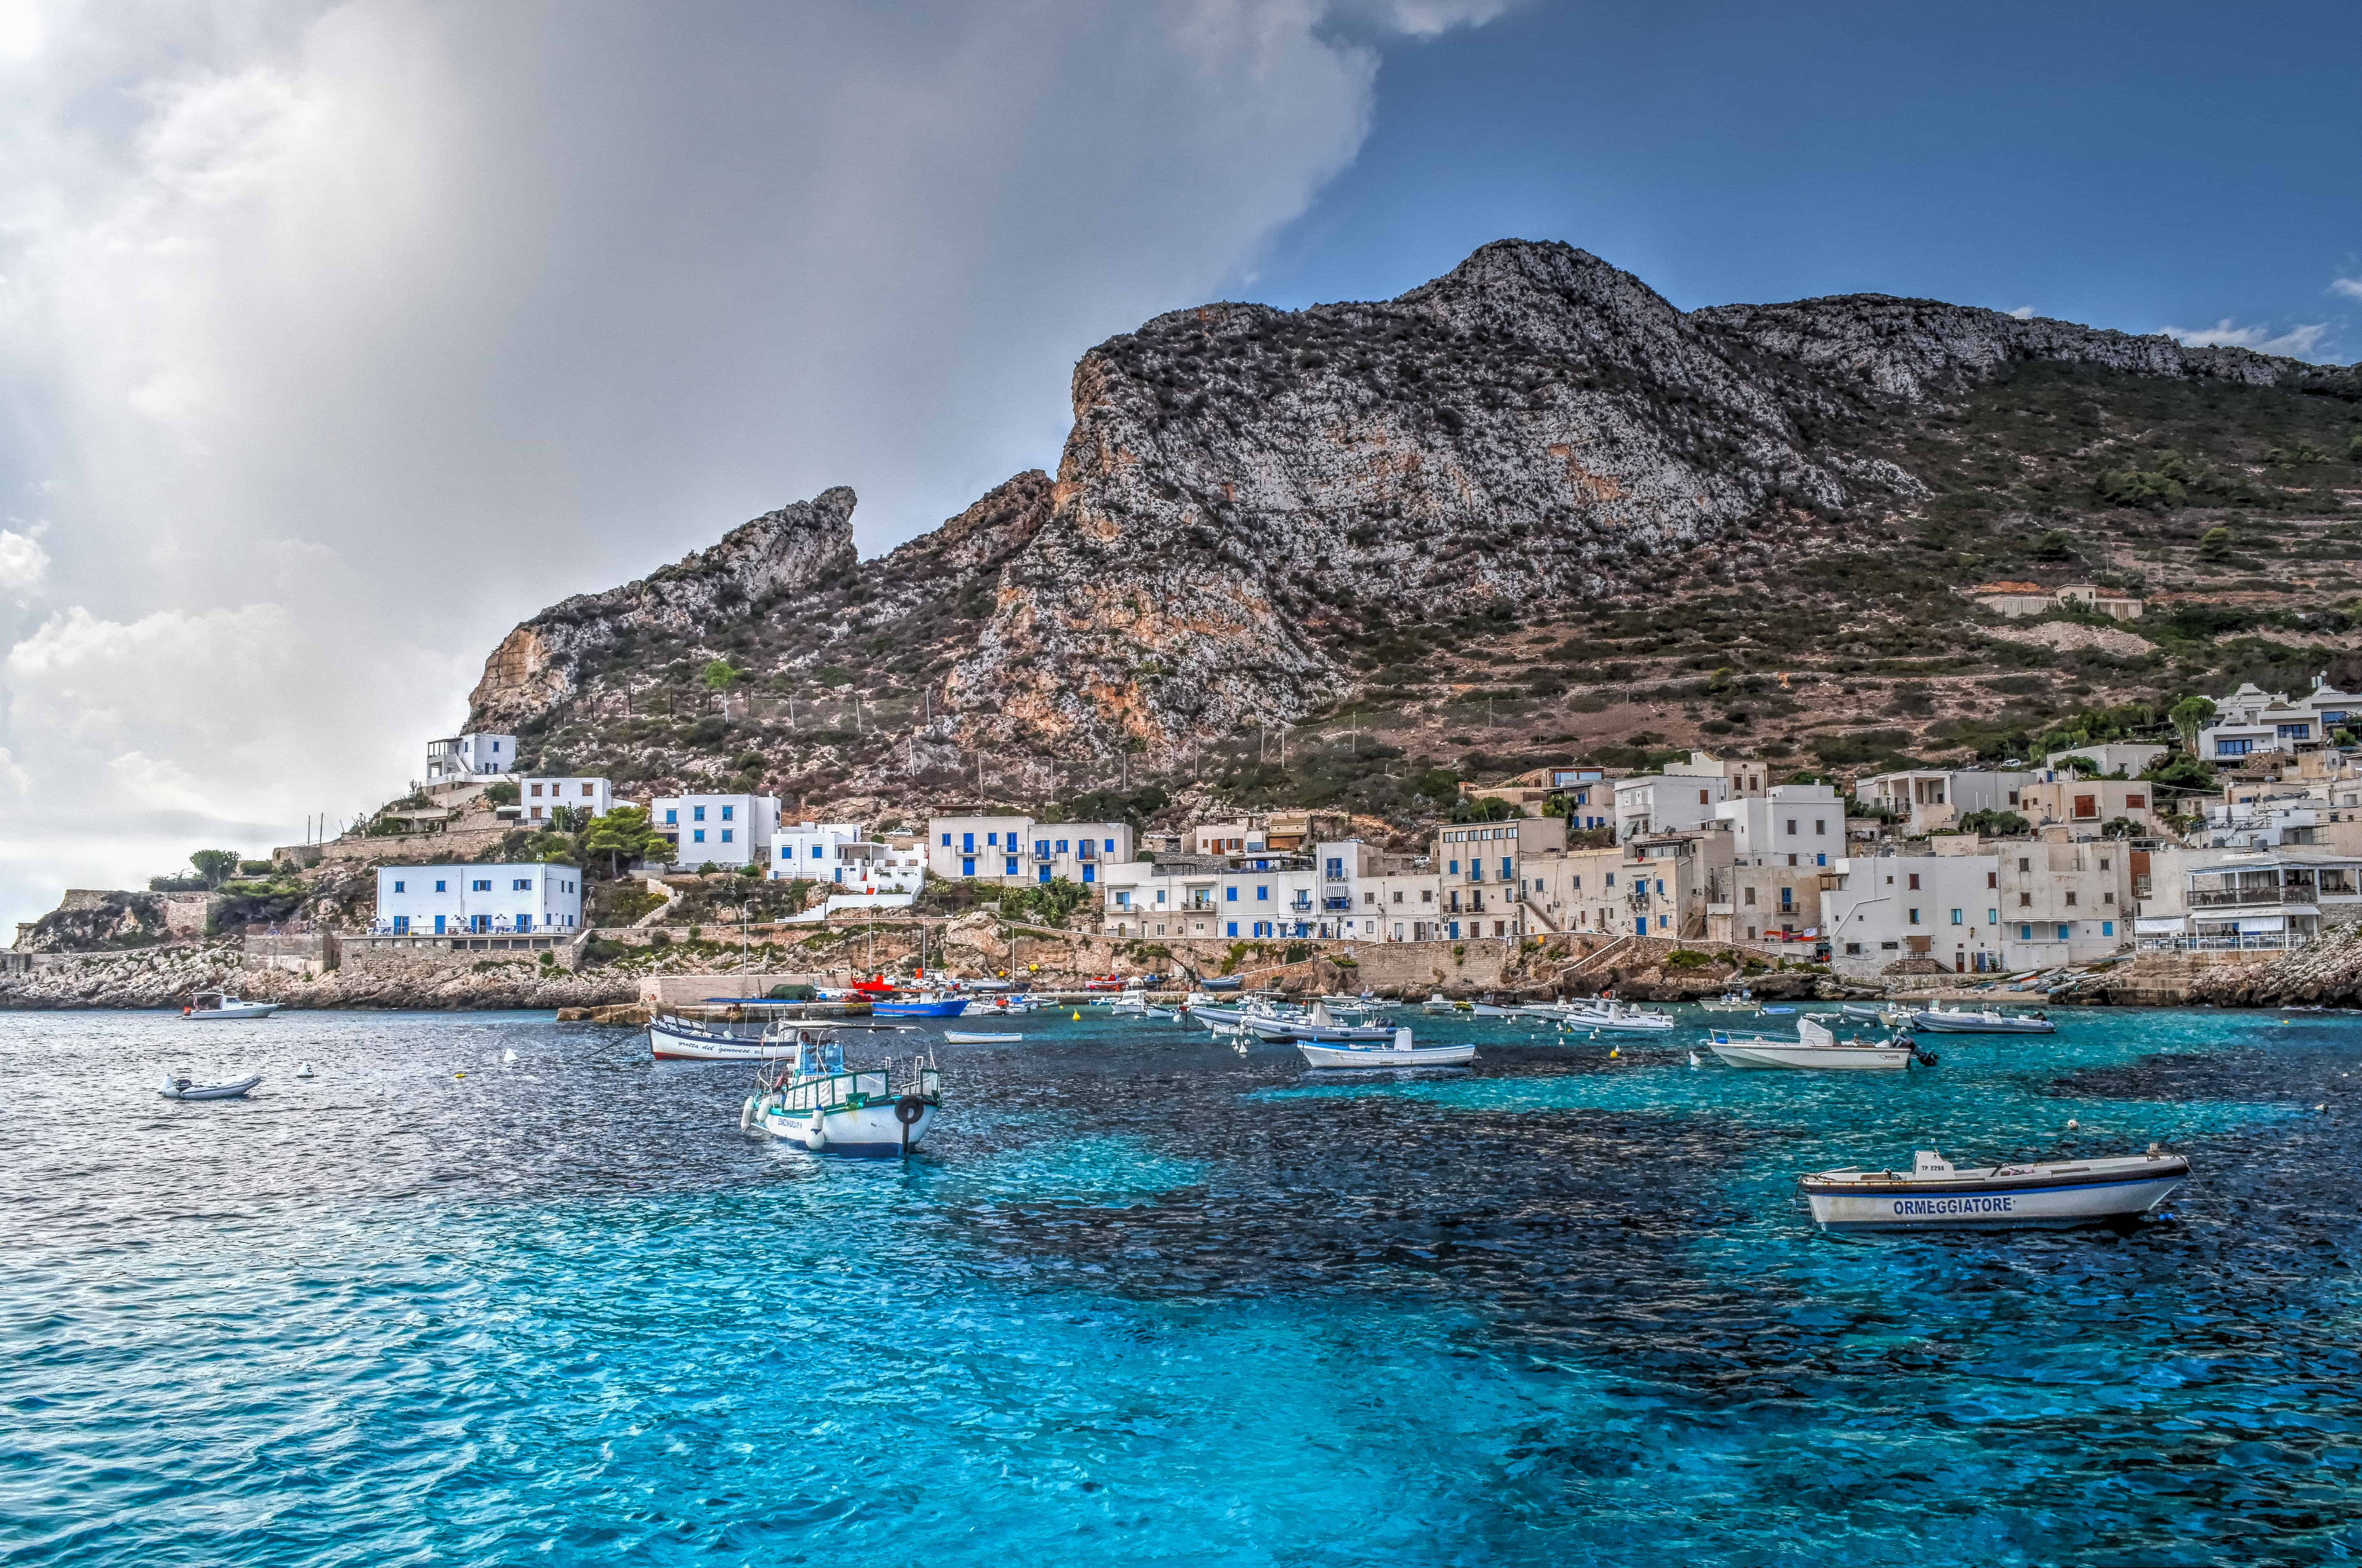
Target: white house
x,y
2252,721
432,901
1932,798
728,830
1017,850
2242,899
1802,822
460,758
836,853
538,797
1980,906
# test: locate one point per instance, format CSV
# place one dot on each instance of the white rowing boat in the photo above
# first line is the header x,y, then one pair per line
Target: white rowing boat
x,y
1934,1194
956,1037
1399,1052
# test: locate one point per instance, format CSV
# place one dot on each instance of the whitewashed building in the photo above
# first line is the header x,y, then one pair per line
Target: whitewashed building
x,y
1926,798
2252,721
2237,900
1684,796
460,759
1982,906
540,796
726,830
1017,850
438,900
840,855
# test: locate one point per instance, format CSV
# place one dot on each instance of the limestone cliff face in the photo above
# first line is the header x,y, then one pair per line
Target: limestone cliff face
x,y
1249,495
759,567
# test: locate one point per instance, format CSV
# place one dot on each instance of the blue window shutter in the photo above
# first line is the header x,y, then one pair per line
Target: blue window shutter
x,y
1234,928
967,868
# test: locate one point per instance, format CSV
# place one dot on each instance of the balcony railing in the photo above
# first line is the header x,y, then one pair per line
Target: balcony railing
x,y
1335,903
2286,894
2239,942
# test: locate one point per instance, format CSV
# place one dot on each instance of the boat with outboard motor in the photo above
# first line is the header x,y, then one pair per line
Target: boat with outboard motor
x,y
1936,1195
1607,1017
1936,1018
207,1007
1399,1051
1318,1025
178,1088
672,1038
816,1102
1815,1049
932,1005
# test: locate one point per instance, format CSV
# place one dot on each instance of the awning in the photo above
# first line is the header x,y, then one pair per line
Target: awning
x,y
2265,922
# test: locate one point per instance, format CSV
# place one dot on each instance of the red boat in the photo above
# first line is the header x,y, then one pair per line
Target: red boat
x,y
1105,983
877,986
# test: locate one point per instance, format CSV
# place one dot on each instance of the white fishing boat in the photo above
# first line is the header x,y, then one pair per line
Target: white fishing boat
x,y
1941,1019
818,1103
1934,1194
1438,1002
1814,1049
1730,1002
1616,1018
672,1038
1318,1025
210,1006
960,1037
1494,1009
1399,1051
179,1087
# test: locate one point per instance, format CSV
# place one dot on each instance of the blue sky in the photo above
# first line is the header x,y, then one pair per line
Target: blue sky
x,y
2141,167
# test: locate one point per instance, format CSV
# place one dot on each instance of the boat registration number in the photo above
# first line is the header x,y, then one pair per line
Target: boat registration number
x,y
1953,1205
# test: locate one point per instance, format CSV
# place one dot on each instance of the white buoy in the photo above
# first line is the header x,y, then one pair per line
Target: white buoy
x,y
509,1054
1693,1060
2073,1124
303,1069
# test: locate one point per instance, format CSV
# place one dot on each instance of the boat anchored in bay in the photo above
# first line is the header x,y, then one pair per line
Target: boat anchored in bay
x,y
818,1103
1936,1195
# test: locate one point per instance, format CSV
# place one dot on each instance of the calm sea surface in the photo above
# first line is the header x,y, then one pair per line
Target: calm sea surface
x,y
1146,1299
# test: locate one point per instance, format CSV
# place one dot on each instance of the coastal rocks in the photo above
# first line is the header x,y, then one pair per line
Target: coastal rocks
x,y
1249,499
2326,973
759,567
2064,636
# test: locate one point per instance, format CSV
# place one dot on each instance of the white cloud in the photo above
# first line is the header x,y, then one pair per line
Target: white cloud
x,y
2296,342
24,563
2350,287
2023,312
376,325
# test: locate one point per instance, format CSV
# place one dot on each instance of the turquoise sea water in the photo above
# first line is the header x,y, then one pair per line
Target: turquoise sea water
x,y
1145,1299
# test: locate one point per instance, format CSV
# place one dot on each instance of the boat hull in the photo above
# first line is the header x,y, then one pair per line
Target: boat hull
x,y
1977,1023
243,1009
672,1040
237,1090
1277,1034
950,1008
956,1037
1993,1206
867,1131
1318,1055
1603,1025
1813,1058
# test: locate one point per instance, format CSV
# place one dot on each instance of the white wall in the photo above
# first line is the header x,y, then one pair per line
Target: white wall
x,y
697,825
539,794
411,899
470,756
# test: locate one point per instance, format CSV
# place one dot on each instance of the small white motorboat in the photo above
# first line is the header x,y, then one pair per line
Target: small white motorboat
x,y
207,1006
1934,1194
1939,1019
1814,1048
1614,1018
1438,1002
179,1087
1320,1025
1398,1052
818,1103
1730,1002
672,1038
958,1037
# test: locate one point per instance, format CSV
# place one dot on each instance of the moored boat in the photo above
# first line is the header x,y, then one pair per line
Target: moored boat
x,y
956,1037
207,1007
1730,1002
672,1038
178,1088
818,1103
1936,1195
1614,1018
1438,1002
1814,1049
1938,1020
918,1007
1400,1051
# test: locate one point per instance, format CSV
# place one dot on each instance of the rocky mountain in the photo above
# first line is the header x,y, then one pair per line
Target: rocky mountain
x,y
1263,516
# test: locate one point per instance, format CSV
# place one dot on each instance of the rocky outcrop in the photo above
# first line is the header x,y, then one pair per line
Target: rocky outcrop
x,y
763,568
1250,496
2326,973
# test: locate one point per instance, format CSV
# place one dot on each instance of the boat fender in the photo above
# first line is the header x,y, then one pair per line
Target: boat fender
x,y
817,1138
909,1109
747,1115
